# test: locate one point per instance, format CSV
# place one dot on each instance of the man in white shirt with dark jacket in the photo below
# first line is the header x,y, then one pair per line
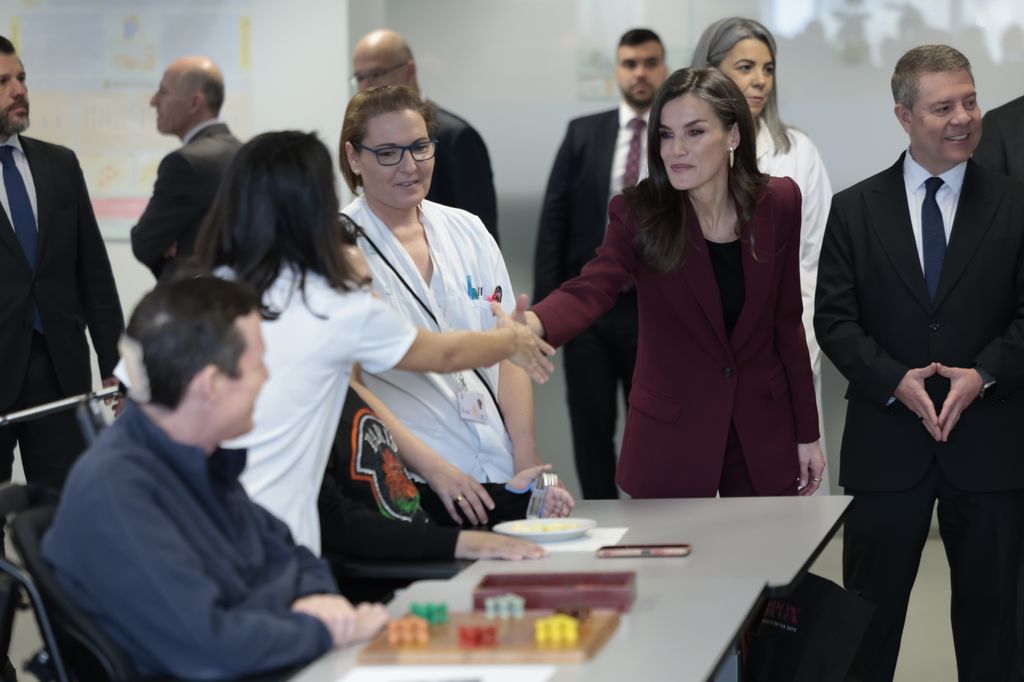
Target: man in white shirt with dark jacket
x,y
600,155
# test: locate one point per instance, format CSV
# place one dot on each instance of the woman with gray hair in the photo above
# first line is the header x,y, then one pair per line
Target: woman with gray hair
x,y
745,51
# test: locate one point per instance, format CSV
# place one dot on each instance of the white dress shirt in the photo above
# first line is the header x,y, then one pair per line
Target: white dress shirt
x,y
622,140
21,163
947,197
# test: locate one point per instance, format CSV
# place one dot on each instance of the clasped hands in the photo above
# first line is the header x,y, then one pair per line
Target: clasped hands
x,y
965,386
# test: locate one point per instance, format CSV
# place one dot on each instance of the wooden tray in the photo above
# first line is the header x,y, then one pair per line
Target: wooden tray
x,y
611,590
516,642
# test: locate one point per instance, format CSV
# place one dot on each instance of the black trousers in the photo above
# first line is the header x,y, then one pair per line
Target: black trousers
x,y
883,539
49,445
598,364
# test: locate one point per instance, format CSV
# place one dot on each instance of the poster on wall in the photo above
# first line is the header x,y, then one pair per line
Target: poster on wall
x,y
93,95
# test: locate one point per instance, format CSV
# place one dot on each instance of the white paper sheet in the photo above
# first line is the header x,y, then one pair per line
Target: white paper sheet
x,y
591,542
450,673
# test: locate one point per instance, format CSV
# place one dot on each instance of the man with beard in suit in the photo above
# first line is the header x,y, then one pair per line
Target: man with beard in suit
x,y
55,281
600,155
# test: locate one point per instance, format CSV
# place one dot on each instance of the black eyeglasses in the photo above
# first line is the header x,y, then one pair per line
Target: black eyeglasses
x,y
392,154
373,76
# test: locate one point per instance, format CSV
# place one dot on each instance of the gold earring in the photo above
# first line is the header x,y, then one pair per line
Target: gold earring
x,y
731,156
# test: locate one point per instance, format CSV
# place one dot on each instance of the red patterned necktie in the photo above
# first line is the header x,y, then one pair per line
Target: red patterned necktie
x,y
632,173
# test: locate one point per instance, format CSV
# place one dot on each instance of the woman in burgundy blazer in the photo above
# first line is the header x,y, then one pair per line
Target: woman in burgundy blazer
x,y
723,396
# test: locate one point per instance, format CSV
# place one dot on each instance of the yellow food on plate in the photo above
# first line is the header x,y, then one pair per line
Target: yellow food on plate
x,y
544,527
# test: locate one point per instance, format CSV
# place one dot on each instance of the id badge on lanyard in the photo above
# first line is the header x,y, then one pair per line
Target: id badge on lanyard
x,y
472,407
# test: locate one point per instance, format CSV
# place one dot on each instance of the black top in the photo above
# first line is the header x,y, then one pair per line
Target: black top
x,y
727,262
370,508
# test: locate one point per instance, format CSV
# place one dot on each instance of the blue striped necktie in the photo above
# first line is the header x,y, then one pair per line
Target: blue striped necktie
x,y
933,236
21,215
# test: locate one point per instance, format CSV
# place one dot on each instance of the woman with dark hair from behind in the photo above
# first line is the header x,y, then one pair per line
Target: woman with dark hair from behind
x,y
722,398
745,51
275,226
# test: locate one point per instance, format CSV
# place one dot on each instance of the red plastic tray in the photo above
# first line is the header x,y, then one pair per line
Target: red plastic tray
x,y
555,590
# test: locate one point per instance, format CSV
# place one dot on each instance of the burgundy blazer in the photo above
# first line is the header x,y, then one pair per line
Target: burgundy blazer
x,y
692,380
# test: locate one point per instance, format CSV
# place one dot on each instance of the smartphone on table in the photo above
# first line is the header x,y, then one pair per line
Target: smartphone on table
x,y
643,551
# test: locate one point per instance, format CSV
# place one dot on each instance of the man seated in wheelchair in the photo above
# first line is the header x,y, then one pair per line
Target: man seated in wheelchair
x,y
155,538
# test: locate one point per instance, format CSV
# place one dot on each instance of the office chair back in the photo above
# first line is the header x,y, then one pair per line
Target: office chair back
x,y
78,650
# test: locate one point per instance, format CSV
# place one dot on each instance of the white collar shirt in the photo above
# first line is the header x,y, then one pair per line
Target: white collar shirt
x,y
622,141
948,196
198,128
21,163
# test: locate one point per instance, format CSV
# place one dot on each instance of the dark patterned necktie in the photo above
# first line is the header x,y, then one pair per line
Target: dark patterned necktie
x,y
21,214
933,236
632,173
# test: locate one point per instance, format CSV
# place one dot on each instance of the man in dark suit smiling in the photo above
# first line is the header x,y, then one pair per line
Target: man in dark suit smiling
x,y
920,304
55,280
600,155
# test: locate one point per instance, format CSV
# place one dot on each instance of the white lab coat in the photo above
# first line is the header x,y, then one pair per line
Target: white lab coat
x,y
428,403
803,163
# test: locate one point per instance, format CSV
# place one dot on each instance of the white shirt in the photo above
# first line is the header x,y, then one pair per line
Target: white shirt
x,y
21,163
197,128
803,164
947,197
310,349
428,403
622,141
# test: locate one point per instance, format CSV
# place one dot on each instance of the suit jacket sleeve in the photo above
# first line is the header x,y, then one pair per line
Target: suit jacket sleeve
x,y
1003,357
789,329
549,255
99,299
991,150
472,182
170,212
870,369
583,299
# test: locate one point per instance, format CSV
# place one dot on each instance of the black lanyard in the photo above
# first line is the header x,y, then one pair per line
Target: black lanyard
x,y
362,233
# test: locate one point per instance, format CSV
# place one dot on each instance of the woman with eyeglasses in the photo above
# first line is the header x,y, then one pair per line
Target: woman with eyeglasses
x,y
440,269
744,50
275,226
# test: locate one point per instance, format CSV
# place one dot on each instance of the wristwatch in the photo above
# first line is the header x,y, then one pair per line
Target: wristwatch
x,y
988,382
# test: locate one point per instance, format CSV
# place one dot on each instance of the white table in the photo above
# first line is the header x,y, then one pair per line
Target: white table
x,y
688,611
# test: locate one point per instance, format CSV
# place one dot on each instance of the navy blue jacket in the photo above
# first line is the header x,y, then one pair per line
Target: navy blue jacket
x,y
163,548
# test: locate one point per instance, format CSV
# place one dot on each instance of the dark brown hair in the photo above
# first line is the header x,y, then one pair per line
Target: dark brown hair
x,y
662,240
186,324
368,105
277,209
906,77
